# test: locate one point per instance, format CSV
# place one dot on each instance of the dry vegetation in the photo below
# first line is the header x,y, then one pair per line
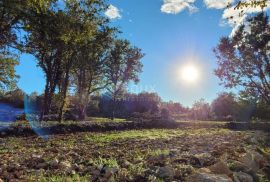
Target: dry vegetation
x,y
138,155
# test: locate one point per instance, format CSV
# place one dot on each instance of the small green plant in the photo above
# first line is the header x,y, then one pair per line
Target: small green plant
x,y
106,162
159,152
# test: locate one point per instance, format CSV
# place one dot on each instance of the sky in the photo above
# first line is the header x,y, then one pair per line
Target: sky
x,y
171,33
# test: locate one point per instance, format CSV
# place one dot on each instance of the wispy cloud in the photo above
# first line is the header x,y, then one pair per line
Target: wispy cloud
x,y
218,4
176,6
113,12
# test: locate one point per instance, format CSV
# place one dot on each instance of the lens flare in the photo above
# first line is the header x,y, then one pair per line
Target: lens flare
x,y
32,113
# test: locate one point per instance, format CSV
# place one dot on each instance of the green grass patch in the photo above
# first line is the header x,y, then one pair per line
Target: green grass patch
x,y
106,162
149,134
159,152
102,120
60,178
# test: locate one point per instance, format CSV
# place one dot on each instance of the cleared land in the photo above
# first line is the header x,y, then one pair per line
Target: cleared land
x,y
137,155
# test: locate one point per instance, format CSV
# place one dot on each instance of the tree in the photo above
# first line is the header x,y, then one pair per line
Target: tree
x,y
122,66
131,104
13,15
225,105
55,34
44,41
10,16
7,73
252,107
84,20
143,102
174,107
201,110
14,98
243,60
88,72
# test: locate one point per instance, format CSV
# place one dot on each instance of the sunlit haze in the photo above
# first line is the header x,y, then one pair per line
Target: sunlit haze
x,y
189,73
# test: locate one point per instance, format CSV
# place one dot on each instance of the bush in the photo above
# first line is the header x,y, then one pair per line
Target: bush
x,y
165,114
14,98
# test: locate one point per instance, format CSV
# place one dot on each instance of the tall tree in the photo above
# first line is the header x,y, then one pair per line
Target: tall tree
x,y
45,43
122,66
84,20
88,72
55,34
243,60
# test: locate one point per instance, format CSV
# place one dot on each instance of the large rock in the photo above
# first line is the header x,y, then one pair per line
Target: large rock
x,y
220,168
107,173
165,172
238,166
207,177
242,177
42,165
203,159
159,160
54,163
253,160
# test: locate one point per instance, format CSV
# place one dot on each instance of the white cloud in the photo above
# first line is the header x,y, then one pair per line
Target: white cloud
x,y
113,12
231,16
217,4
176,6
236,17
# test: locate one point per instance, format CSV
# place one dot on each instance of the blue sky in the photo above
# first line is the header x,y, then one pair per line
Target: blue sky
x,y
169,40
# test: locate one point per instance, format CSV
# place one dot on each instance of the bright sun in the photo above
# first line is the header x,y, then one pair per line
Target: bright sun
x,y
189,73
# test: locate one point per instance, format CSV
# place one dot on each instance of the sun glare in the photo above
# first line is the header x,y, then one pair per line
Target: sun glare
x,y
189,73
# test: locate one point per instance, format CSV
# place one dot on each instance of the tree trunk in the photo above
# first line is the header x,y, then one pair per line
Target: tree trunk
x,y
82,112
47,101
63,97
113,108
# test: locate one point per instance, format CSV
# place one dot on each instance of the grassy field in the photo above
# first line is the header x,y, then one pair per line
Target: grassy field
x,y
134,155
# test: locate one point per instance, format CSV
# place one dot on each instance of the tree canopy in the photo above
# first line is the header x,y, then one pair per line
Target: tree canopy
x,y
243,60
72,43
7,73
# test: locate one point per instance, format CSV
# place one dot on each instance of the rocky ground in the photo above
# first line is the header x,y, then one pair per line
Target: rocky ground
x,y
201,154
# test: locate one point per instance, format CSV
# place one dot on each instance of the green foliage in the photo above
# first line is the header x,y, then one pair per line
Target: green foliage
x,y
7,73
243,60
88,72
74,46
225,105
201,110
106,162
14,97
122,66
146,134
